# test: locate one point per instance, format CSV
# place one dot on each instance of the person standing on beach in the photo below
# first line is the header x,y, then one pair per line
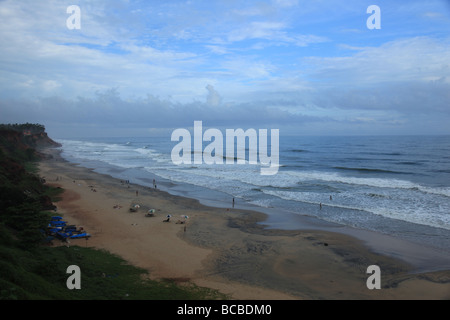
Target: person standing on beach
x,y
233,202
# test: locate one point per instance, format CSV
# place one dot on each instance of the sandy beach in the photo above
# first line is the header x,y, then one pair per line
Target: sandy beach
x,y
227,249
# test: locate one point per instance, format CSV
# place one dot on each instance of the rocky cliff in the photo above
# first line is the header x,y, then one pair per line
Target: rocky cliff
x,y
17,148
25,141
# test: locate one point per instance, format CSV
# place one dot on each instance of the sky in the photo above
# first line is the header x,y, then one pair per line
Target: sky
x,y
143,68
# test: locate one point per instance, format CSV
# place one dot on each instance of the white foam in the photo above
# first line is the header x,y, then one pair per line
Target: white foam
x,y
414,207
339,178
395,198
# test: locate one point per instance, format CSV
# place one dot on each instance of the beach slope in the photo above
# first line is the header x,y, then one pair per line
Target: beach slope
x,y
226,249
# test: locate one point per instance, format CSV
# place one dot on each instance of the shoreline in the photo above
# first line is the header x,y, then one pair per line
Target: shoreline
x,y
423,257
231,250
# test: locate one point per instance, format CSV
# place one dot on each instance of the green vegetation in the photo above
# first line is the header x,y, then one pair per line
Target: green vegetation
x,y
31,127
32,270
40,274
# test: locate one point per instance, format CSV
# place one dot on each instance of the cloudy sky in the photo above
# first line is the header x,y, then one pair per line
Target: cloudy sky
x,y
304,67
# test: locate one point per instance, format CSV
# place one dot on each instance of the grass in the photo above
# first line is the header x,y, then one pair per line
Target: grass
x,y
41,274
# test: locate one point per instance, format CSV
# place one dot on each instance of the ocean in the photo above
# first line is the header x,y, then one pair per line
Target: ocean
x,y
396,185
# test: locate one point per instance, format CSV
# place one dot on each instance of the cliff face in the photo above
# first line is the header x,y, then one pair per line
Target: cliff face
x,y
24,198
40,140
25,144
17,147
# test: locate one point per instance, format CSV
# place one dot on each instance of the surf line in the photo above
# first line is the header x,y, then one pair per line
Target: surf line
x,y
182,152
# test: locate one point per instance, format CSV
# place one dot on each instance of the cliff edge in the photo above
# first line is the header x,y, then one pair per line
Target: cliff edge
x,y
25,140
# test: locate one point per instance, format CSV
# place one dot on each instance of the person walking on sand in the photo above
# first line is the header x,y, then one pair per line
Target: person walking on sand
x,y
233,202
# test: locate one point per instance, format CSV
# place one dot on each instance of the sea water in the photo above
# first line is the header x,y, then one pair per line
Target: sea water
x,y
397,185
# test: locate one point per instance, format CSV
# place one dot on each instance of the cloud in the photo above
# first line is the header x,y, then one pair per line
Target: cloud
x,y
410,59
109,113
257,30
213,98
409,98
319,111
258,63
51,85
275,32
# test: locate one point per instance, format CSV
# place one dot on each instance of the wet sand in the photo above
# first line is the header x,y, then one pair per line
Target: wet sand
x,y
230,249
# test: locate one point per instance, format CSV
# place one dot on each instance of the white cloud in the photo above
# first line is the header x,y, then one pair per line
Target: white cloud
x,y
264,57
274,32
217,49
213,98
242,69
50,85
257,30
412,59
